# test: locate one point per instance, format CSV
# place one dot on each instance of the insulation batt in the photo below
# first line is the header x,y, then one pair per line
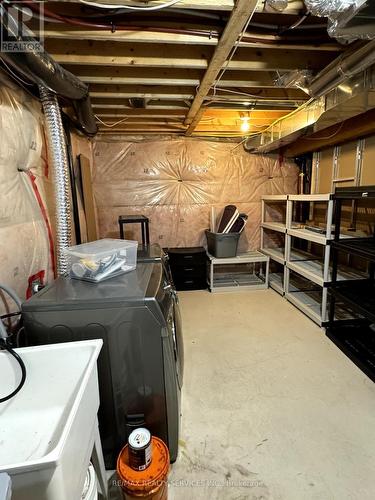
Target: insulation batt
x,y
24,242
176,182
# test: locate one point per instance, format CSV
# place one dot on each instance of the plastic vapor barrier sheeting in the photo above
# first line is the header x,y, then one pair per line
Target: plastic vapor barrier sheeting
x,y
176,182
26,193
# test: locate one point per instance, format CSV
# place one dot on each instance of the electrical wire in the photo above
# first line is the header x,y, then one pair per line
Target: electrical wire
x,y
113,27
18,78
246,94
10,315
4,345
18,334
280,119
234,49
290,114
253,96
327,136
37,15
3,331
295,24
130,7
239,144
12,294
111,125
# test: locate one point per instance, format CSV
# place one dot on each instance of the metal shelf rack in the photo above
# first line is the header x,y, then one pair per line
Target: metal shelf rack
x,y
277,229
357,337
304,263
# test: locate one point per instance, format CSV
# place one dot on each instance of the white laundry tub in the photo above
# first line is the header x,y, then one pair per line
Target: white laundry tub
x,y
47,430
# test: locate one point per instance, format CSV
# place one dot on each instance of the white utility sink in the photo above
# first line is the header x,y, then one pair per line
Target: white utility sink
x,y
47,431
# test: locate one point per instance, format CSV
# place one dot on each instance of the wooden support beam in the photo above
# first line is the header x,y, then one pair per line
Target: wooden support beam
x,y
354,128
242,11
107,53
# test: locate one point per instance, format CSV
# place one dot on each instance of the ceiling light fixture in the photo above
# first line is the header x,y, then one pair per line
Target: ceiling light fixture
x,y
245,125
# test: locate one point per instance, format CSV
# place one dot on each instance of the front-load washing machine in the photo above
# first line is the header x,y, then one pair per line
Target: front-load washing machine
x,y
141,364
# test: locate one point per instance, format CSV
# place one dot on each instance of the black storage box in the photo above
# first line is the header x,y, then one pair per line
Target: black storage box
x,y
189,267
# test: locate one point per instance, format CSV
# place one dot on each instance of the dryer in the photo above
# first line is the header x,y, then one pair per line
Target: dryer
x,y
141,364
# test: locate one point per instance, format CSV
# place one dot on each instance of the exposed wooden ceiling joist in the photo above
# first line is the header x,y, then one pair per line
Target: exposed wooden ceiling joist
x,y
109,53
117,113
140,92
241,13
146,112
174,72
58,31
172,77
141,128
109,91
294,6
221,116
136,76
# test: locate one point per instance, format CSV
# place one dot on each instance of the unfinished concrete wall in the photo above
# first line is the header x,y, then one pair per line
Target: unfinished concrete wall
x,y
176,182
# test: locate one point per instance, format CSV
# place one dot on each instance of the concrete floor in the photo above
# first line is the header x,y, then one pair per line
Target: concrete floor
x,y
271,408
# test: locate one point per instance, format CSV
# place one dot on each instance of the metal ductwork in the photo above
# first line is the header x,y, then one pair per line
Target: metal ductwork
x,y
341,91
138,103
348,20
37,66
328,8
341,69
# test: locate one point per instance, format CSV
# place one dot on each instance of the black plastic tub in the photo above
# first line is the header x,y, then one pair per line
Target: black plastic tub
x,y
222,245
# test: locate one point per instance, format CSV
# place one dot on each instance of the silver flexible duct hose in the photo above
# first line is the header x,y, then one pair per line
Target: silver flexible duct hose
x,y
59,161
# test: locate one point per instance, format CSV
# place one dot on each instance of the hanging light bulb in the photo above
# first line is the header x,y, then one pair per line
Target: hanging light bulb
x,y
245,125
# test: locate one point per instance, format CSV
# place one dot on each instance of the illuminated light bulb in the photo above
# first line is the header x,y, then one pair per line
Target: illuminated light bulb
x,y
245,125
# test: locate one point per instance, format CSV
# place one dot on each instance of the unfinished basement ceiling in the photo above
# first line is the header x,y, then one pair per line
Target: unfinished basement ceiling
x,y
188,69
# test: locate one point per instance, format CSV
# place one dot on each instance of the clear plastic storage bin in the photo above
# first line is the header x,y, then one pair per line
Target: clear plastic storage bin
x,y
102,259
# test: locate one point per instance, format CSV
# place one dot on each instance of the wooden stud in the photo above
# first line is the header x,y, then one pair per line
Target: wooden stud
x,y
241,13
